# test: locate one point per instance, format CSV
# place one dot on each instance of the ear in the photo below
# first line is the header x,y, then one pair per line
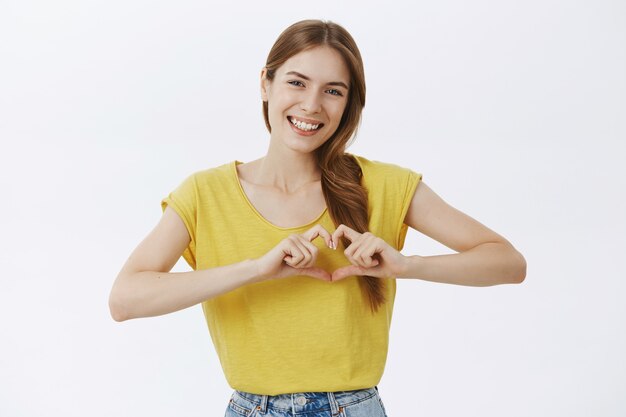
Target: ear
x,y
264,84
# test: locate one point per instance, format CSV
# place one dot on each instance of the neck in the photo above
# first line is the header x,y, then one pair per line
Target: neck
x,y
286,169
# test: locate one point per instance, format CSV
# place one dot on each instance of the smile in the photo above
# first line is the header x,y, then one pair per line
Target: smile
x,y
303,126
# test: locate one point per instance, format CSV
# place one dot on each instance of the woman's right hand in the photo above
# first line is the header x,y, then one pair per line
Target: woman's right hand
x,y
295,255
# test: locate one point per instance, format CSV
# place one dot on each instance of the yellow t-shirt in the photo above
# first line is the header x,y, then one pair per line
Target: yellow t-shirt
x,y
296,334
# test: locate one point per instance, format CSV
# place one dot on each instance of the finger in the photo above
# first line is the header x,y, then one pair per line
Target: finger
x,y
354,246
318,230
299,253
291,258
316,272
347,271
292,254
344,231
308,249
364,254
365,260
355,270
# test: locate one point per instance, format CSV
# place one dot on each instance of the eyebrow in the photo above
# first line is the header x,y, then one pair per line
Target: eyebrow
x,y
339,83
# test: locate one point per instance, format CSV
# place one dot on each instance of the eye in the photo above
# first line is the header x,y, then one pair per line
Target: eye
x,y
336,92
333,91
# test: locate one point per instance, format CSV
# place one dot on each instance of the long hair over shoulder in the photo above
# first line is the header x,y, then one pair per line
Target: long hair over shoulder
x,y
345,196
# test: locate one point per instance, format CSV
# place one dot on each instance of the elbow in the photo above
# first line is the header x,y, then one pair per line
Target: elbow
x,y
117,307
118,315
519,274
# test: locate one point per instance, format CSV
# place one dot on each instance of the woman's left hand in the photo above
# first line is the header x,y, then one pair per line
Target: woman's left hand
x,y
369,255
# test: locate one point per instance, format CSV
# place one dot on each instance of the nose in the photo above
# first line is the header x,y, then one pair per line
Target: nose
x,y
311,103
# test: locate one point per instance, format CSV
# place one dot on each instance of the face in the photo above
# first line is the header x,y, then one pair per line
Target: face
x,y
306,98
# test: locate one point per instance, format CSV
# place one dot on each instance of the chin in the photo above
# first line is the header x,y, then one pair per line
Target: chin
x,y
304,145
303,148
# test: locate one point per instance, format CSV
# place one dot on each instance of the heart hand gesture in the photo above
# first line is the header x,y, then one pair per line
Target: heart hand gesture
x,y
368,254
295,255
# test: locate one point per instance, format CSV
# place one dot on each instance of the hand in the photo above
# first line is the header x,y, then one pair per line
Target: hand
x,y
295,255
368,254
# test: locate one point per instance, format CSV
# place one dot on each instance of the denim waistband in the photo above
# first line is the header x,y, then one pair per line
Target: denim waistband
x,y
302,402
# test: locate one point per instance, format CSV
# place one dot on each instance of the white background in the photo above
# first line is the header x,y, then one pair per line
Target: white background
x,y
514,111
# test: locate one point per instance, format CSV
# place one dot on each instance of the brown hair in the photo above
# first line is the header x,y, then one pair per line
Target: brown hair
x,y
345,197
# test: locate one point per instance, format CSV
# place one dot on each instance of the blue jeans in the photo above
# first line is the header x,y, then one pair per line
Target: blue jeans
x,y
357,403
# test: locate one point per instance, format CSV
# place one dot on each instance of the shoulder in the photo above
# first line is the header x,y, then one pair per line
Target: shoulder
x,y
212,173
204,182
377,171
209,178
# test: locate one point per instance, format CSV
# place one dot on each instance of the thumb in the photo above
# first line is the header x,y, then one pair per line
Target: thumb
x,y
347,271
315,272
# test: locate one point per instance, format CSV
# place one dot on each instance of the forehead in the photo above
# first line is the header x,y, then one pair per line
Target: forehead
x,y
322,63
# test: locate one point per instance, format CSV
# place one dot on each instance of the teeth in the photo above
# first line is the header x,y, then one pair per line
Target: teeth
x,y
302,125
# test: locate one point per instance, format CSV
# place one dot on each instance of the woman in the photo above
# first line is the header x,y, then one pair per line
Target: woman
x,y
295,254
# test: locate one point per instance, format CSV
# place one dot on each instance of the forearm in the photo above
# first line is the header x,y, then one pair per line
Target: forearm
x,y
484,265
146,294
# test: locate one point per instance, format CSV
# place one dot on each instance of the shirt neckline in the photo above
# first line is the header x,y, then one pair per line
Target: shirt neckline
x,y
243,195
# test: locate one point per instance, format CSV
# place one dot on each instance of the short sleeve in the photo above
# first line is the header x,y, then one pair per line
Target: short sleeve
x,y
409,180
184,200
390,190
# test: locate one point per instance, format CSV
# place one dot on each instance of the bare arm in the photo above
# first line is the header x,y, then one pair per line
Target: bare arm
x,y
485,258
145,287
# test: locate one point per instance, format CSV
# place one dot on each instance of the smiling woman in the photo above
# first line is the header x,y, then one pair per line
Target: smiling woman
x,y
307,89
296,254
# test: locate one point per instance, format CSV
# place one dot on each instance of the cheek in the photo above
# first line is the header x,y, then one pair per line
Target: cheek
x,y
338,111
279,104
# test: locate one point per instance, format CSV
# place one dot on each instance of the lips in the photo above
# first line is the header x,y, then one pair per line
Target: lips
x,y
305,120
303,132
